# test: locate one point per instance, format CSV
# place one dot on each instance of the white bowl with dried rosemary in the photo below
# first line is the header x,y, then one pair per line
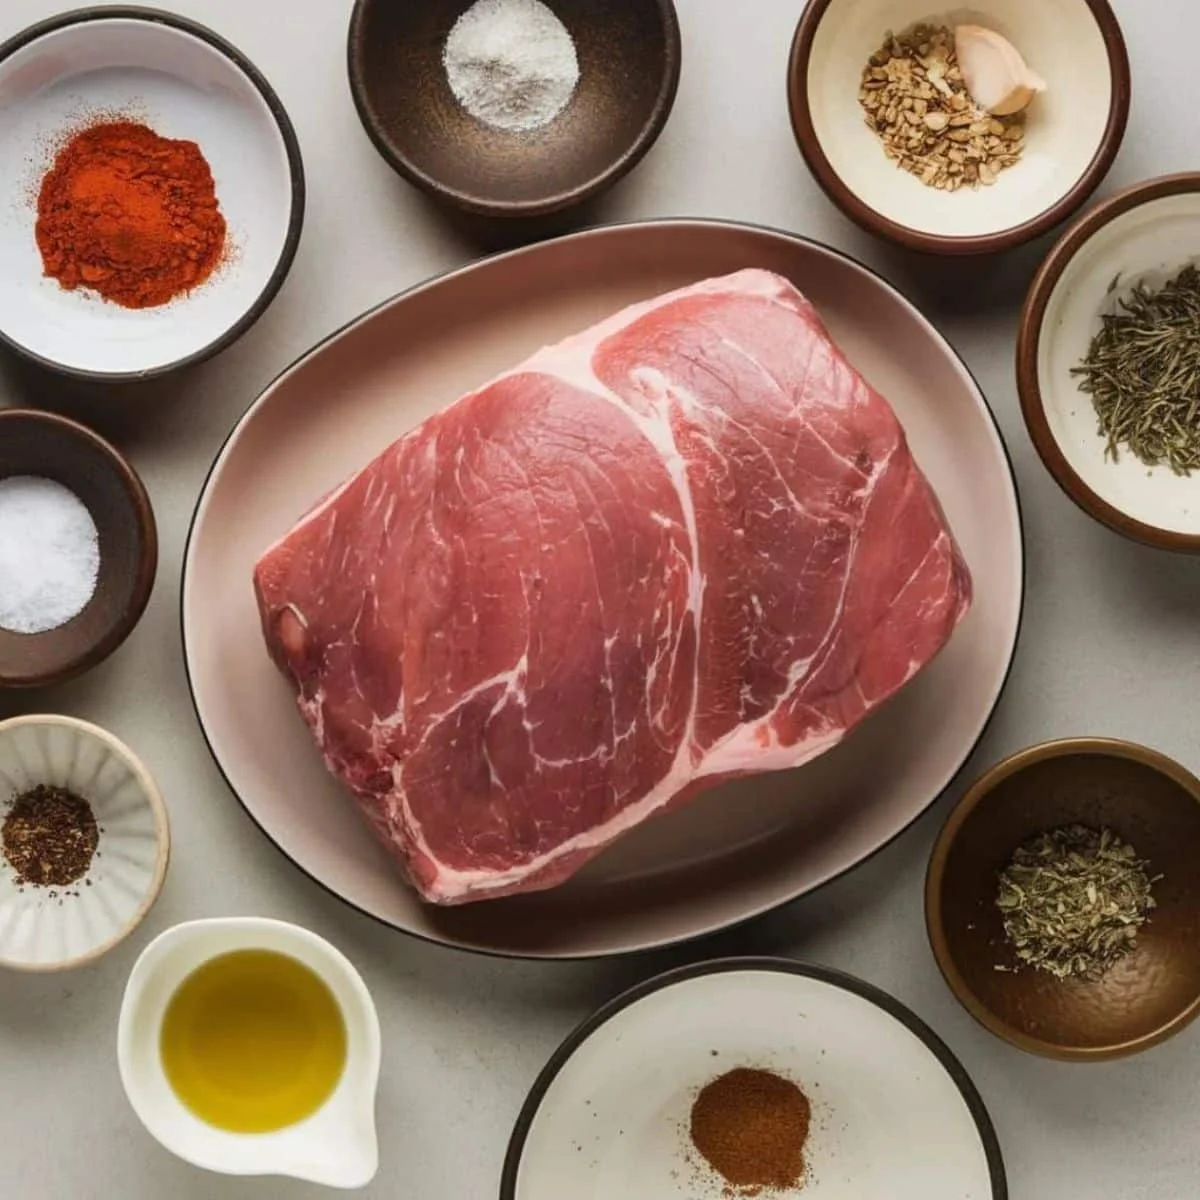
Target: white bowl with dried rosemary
x,y
1062,899
1109,362
885,119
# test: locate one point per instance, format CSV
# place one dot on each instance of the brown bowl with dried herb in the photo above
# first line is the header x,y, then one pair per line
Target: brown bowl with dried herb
x,y
1063,900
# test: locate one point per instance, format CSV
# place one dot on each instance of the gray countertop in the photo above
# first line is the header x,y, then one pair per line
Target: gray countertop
x,y
1109,646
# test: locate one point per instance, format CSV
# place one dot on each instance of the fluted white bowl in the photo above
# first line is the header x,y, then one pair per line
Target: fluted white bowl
x,y
43,929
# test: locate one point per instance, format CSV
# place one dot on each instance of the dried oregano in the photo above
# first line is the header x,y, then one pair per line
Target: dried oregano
x,y
1073,900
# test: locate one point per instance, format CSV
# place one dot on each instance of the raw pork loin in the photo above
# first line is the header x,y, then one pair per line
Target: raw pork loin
x,y
688,544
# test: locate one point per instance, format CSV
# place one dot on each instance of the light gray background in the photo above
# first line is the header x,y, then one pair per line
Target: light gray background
x,y
1109,646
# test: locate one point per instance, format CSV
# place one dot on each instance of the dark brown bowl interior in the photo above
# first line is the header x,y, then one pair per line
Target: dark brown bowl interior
x,y
53,447
629,57
1146,799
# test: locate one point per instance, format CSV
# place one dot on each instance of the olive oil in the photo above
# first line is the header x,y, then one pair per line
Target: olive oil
x,y
253,1041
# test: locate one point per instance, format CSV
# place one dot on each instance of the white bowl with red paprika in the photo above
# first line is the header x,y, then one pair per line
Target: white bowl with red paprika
x,y
156,193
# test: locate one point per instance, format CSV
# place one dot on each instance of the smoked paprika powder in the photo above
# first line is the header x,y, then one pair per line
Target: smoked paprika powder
x,y
751,1127
130,215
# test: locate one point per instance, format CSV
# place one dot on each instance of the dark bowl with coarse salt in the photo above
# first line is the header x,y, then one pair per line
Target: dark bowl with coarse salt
x,y
78,535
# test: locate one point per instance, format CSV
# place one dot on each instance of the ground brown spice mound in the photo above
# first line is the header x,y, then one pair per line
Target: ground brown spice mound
x,y
751,1127
50,836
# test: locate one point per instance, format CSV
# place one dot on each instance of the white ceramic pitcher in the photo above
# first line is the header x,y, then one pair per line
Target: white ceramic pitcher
x,y
337,1145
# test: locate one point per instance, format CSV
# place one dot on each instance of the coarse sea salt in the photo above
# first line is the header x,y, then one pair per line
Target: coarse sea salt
x,y
49,554
511,63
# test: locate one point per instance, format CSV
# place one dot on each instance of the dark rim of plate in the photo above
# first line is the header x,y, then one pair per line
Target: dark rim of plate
x,y
291,144
836,979
1029,341
863,215
737,922
479,204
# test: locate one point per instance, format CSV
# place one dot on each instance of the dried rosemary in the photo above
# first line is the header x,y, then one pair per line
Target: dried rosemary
x,y
1142,372
1073,901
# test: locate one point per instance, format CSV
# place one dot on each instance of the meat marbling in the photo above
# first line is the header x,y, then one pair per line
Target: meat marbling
x,y
687,544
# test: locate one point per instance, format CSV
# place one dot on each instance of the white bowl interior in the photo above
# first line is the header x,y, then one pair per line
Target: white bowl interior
x,y
888,1119
41,927
1060,40
182,87
336,1145
1150,244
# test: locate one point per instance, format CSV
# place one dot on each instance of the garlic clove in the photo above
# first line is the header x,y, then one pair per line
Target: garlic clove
x,y
994,72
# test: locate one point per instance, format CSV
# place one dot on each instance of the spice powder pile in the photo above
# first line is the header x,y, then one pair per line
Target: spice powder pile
x,y
50,837
917,103
130,215
751,1127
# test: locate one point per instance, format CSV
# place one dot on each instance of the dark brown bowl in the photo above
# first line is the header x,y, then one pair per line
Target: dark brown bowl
x,y
1074,187
629,56
53,447
1146,799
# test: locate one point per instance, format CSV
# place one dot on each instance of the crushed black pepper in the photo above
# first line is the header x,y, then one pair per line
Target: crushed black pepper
x,y
50,837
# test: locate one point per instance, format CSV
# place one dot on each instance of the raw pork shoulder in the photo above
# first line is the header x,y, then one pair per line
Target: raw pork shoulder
x,y
688,544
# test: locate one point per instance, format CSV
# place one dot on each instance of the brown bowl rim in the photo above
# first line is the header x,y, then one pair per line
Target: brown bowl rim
x,y
1029,338
479,204
162,835
147,563
866,217
935,876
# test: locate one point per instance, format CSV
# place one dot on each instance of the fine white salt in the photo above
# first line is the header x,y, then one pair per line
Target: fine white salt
x,y
49,554
511,63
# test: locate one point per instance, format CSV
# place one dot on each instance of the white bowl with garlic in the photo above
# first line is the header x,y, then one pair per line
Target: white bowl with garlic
x,y
963,132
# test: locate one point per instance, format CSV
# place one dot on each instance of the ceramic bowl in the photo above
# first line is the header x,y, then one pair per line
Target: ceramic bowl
x,y
185,82
629,56
337,1145
609,1116
1073,133
1145,234
54,447
43,929
1146,799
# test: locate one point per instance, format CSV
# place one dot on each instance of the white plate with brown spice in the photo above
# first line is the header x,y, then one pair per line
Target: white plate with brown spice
x,y
729,855
181,82
840,1093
